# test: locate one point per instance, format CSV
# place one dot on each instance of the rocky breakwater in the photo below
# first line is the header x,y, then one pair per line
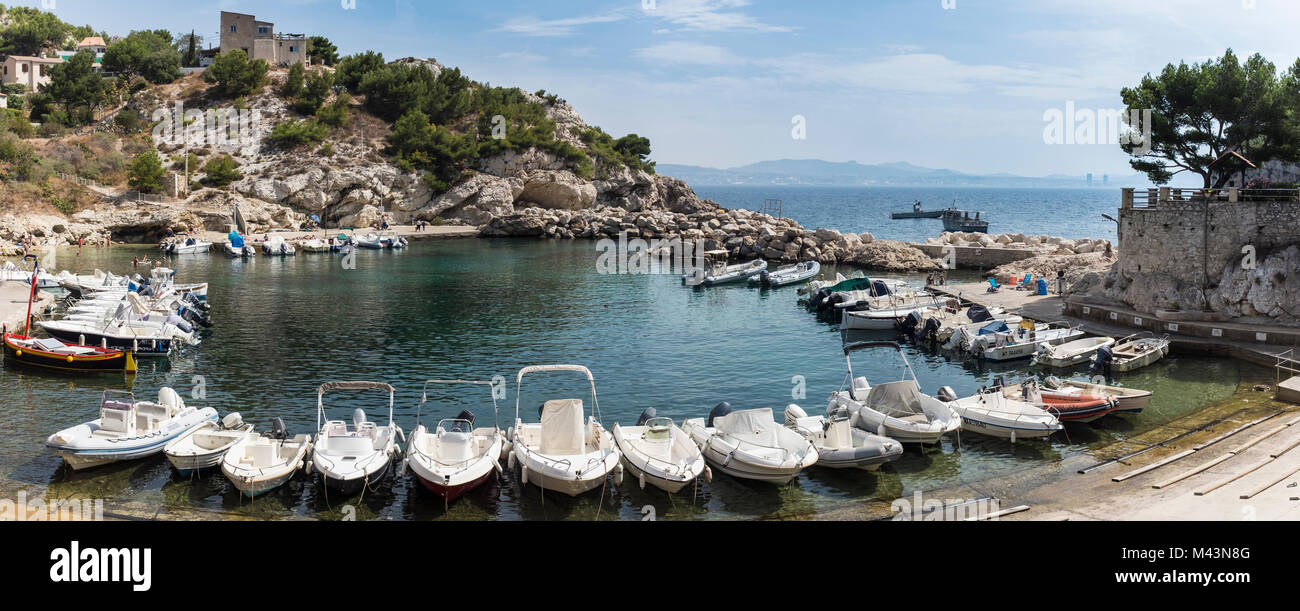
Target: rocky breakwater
x,y
745,234
1039,244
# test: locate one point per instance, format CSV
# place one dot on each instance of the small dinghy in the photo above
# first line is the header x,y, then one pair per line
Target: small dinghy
x,y
657,452
716,271
1068,405
127,429
1127,400
186,246
562,452
456,457
992,413
1071,353
787,275
1133,353
840,443
894,409
260,463
204,446
352,457
749,444
237,248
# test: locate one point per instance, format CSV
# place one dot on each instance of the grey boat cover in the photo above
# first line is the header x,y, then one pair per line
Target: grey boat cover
x,y
756,426
895,397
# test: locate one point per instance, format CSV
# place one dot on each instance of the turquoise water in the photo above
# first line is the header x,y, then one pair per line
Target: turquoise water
x,y
1068,213
480,308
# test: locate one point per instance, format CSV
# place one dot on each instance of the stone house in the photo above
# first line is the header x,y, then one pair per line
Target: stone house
x,y
259,40
34,72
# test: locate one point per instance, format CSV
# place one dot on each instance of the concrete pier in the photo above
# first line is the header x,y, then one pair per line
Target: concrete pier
x,y
13,304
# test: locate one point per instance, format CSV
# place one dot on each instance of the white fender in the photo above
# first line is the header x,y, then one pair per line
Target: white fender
x,y
523,473
618,475
510,460
401,470
708,474
306,467
641,479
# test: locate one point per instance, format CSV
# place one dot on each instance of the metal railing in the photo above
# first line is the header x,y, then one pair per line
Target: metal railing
x,y
1286,361
1152,197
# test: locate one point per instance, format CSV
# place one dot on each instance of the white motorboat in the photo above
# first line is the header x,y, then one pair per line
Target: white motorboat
x,y
314,245
1127,400
716,271
127,429
1133,353
894,409
562,452
879,320
237,248
840,443
131,328
1071,353
370,241
994,414
205,445
258,464
456,457
787,275
659,453
749,444
1022,342
45,280
185,246
275,246
352,457
972,319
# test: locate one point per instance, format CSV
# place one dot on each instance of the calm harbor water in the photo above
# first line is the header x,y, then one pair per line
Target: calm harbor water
x,y
475,309
1068,213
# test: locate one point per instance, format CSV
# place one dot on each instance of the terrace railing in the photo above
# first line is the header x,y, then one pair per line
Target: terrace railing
x,y
1150,198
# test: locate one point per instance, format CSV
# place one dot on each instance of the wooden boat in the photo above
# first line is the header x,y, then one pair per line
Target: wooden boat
x,y
258,464
65,356
1127,400
917,213
204,446
455,457
961,220
1071,353
787,275
1134,353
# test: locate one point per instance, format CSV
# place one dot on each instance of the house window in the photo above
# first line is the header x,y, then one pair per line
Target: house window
x,y
26,68
263,30
42,69
232,29
293,49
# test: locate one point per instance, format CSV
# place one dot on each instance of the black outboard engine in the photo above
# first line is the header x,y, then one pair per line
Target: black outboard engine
x,y
646,416
1105,357
764,279
463,427
909,323
931,330
194,317
278,430
721,409
193,300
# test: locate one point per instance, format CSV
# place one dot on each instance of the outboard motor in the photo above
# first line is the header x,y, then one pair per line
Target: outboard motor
x,y
179,323
464,427
793,413
978,313
721,409
765,279
278,431
1102,361
909,323
946,394
358,418
931,330
193,300
195,317
646,416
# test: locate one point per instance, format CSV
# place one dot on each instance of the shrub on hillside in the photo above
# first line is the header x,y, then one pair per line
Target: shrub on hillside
x,y
294,133
234,75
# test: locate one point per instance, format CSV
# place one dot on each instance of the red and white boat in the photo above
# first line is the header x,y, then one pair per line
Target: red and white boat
x,y
1067,406
455,457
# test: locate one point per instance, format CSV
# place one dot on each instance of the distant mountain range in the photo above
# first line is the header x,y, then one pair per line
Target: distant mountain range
x,y
814,172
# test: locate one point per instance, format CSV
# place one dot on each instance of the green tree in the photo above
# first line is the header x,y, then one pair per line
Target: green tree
x,y
294,133
31,30
421,145
146,172
146,53
188,45
354,68
77,87
221,171
1203,111
293,85
321,51
234,75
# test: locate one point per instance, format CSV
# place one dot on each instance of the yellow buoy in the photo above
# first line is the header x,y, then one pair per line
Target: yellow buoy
x,y
69,358
18,353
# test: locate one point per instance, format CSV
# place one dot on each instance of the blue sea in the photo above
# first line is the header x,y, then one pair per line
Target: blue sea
x,y
1067,213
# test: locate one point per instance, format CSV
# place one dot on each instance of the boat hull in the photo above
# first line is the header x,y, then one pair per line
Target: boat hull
x,y
101,362
353,483
451,492
133,448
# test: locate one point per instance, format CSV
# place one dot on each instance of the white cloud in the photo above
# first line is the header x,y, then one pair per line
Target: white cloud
x,y
522,56
532,26
710,16
688,53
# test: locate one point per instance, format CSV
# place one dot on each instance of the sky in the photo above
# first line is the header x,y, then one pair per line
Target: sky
x,y
958,84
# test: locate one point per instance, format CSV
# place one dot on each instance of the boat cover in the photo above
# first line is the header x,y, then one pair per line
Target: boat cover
x,y
994,327
978,313
236,240
901,396
753,425
880,288
562,432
